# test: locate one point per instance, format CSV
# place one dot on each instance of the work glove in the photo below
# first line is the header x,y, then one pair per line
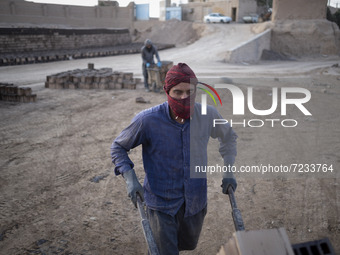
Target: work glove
x,y
147,64
159,64
228,180
133,186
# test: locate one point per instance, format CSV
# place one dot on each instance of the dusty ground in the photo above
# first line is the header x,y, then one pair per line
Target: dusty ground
x,y
52,151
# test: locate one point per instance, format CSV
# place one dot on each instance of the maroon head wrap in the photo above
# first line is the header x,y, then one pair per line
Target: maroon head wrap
x,y
178,74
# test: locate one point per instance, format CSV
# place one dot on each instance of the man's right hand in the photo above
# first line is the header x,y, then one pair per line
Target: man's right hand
x,y
133,186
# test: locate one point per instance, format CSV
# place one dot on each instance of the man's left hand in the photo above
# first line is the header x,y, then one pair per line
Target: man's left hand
x,y
228,181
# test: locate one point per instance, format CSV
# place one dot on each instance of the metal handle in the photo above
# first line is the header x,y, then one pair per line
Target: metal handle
x,y
153,250
236,213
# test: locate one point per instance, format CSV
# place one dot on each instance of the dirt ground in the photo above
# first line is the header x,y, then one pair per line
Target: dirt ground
x,y
58,192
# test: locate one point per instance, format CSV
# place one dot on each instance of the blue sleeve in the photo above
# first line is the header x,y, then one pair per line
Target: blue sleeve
x,y
227,138
128,139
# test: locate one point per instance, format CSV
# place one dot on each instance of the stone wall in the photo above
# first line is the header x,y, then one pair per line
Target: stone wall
x,y
37,39
22,13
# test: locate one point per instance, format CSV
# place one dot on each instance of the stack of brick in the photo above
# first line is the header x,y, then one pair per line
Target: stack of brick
x,y
91,78
12,93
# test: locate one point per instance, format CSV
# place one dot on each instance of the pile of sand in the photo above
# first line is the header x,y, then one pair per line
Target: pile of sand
x,y
303,38
179,33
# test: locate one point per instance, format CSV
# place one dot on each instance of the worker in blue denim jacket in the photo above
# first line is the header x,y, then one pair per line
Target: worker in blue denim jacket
x,y
176,200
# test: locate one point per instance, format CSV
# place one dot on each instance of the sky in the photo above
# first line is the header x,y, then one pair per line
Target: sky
x,y
154,4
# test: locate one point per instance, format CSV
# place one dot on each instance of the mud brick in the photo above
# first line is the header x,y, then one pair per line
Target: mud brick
x,y
114,77
27,91
120,80
95,85
26,99
66,85
52,85
103,85
60,80
128,76
76,78
51,78
96,78
13,98
118,86
73,86
90,85
2,89
21,91
8,89
129,85
20,99
12,90
46,84
33,98
85,79
111,85
137,80
104,79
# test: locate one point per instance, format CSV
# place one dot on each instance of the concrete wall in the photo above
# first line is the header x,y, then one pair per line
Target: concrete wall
x,y
251,50
19,12
245,7
21,40
299,9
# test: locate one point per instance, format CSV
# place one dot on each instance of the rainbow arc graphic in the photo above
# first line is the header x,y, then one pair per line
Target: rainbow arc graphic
x,y
209,93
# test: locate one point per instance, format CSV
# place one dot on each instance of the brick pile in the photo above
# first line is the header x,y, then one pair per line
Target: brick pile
x,y
91,78
12,93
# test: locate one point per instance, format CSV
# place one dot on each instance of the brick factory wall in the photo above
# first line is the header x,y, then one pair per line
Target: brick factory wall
x,y
14,40
20,12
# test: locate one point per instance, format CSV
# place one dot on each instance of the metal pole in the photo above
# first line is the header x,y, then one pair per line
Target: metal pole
x,y
236,213
153,250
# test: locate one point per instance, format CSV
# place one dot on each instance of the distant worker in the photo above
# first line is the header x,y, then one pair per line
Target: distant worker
x,y
148,52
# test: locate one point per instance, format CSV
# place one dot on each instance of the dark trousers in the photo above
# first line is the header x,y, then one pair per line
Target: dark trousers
x,y
146,77
175,233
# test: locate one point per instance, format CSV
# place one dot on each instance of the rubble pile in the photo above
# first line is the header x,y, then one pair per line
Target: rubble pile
x,y
91,78
12,93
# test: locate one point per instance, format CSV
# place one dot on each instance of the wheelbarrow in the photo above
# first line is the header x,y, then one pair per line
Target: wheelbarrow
x,y
156,75
272,241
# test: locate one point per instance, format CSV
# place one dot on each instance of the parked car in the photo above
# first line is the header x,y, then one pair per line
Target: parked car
x,y
251,18
216,18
